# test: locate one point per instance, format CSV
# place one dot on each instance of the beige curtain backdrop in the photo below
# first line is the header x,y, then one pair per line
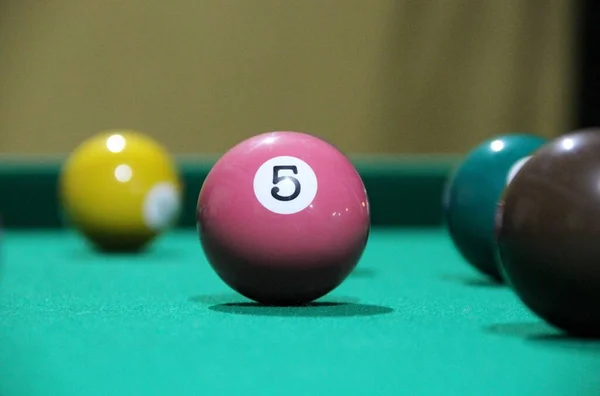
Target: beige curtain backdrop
x,y
373,76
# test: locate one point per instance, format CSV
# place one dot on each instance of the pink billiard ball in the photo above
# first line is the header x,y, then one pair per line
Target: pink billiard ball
x,y
283,218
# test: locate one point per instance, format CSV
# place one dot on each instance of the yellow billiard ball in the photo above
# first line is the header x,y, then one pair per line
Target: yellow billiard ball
x,y
121,190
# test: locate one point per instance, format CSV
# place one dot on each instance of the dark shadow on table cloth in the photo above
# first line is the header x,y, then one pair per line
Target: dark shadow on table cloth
x,y
334,306
473,281
363,273
543,334
316,309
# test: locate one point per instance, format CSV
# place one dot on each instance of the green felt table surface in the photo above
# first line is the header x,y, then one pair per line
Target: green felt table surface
x,y
413,319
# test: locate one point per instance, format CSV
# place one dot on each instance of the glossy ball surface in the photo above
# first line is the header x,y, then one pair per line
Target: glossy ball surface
x,y
549,233
120,189
473,192
283,218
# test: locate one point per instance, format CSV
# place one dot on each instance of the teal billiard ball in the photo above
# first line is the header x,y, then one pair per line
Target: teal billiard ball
x,y
473,191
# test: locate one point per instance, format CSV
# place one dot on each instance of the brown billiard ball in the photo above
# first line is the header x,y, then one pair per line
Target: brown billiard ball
x,y
549,233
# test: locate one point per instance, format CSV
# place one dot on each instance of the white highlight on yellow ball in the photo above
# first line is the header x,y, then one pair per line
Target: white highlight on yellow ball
x,y
161,207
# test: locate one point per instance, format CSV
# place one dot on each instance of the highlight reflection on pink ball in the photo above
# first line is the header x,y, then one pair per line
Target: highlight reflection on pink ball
x,y
283,218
